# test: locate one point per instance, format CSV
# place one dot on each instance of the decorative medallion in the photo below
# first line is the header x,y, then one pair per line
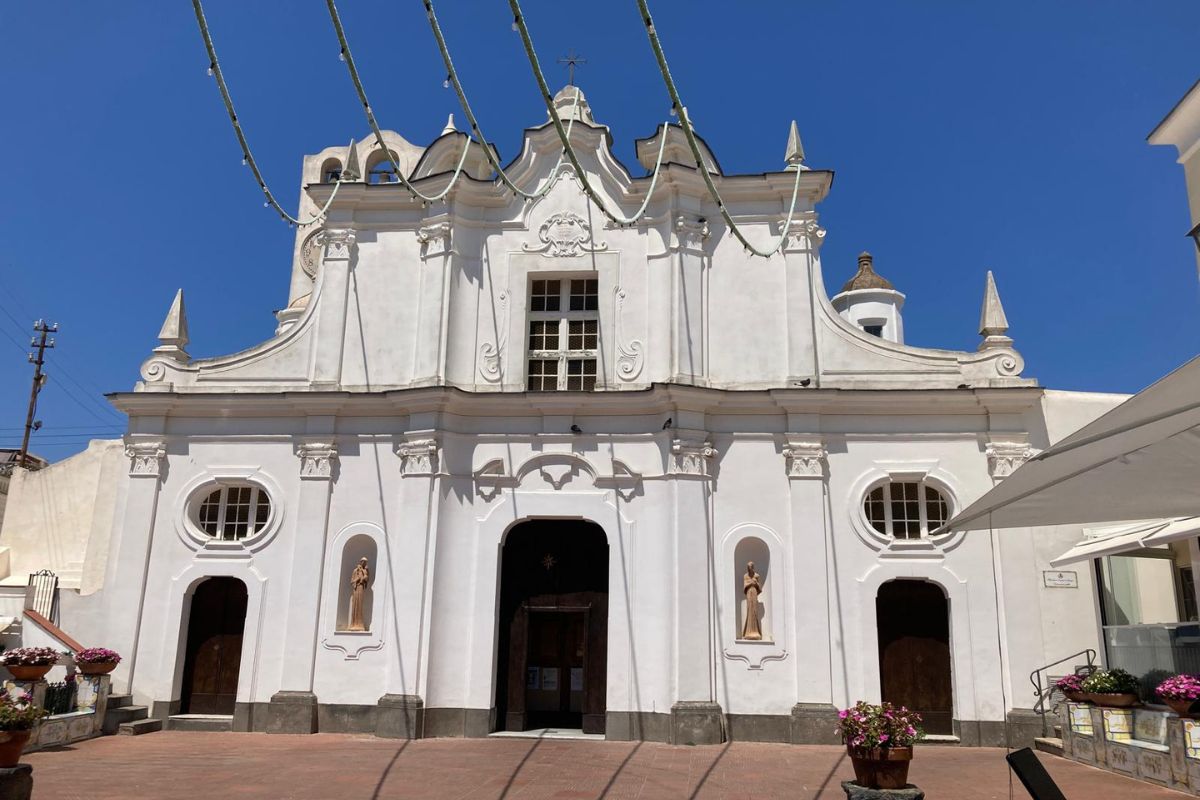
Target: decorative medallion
x,y
564,234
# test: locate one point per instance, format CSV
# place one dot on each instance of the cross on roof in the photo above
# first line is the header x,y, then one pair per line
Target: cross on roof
x,y
572,61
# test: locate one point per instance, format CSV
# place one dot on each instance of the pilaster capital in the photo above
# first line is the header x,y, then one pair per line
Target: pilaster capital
x,y
691,232
145,457
691,456
1004,457
435,237
317,459
805,456
418,456
338,243
804,234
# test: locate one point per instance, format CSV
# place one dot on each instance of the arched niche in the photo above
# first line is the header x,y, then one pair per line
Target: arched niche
x,y
331,170
356,547
752,549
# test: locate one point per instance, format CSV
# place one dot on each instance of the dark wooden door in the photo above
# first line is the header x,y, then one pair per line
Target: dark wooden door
x,y
555,669
214,647
914,651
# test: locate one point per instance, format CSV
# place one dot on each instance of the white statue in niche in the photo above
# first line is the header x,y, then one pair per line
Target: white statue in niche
x,y
359,579
752,588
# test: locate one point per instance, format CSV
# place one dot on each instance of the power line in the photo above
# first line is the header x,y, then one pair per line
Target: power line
x,y
214,69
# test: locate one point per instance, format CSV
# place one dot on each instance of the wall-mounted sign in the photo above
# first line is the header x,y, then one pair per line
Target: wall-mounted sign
x,y
550,678
1060,579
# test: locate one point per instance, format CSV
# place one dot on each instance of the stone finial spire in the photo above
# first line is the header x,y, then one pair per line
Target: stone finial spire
x,y
449,126
795,149
352,171
993,324
173,336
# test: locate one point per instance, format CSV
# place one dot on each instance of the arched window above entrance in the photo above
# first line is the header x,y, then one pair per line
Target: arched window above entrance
x,y
906,509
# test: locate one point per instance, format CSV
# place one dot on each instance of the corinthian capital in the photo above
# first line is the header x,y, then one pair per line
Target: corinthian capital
x,y
338,242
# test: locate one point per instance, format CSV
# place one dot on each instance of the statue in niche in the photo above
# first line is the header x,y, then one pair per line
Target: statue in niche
x,y
752,588
359,578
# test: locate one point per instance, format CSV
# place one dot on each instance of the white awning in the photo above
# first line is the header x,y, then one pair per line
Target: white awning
x,y
1129,539
1139,461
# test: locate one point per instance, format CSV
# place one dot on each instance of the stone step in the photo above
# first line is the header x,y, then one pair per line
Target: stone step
x,y
942,739
200,722
119,700
138,727
114,718
1049,744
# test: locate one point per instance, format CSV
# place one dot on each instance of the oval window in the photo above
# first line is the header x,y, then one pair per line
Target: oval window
x,y
232,513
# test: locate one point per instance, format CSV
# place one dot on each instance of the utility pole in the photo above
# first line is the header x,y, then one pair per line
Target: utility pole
x,y
42,344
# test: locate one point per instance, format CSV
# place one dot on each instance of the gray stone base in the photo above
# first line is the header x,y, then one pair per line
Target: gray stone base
x,y
400,716
16,783
814,723
637,726
458,722
855,792
292,712
1025,725
697,722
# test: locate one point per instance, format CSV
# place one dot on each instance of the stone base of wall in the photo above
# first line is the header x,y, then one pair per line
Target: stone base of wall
x,y
1166,754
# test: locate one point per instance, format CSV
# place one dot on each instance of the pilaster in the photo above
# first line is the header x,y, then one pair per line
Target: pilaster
x,y
293,709
696,717
801,257
336,264
429,344
689,301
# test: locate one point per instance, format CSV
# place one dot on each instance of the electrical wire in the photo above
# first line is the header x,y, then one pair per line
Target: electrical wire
x,y
540,77
690,135
452,76
348,57
214,69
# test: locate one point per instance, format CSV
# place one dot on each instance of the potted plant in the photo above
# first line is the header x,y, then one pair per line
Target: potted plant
x,y
29,663
1112,688
1072,687
879,740
18,715
1180,692
97,660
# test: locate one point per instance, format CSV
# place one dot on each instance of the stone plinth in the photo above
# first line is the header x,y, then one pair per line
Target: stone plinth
x,y
16,783
292,712
855,792
400,716
697,722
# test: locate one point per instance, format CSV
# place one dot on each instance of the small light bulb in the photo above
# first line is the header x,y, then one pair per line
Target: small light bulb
x,y
674,110
515,27
342,55
266,204
244,161
446,83
210,70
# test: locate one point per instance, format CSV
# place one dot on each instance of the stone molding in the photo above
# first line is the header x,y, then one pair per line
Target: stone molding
x,y
145,458
317,459
1005,457
435,238
691,457
338,243
564,234
803,234
418,456
690,232
806,458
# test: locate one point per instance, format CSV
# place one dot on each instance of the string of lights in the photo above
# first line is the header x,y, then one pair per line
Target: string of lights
x,y
690,135
214,70
540,77
347,56
453,79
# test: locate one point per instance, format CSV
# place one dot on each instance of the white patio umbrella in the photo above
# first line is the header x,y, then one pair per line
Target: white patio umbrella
x,y
1140,461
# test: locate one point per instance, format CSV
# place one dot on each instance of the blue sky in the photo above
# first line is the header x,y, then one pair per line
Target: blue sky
x,y
965,135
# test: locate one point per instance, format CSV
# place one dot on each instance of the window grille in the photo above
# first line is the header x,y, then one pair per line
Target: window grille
x,y
41,594
906,509
564,334
234,512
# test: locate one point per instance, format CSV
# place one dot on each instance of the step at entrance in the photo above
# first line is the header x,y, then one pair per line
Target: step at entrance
x,y
138,727
200,722
115,718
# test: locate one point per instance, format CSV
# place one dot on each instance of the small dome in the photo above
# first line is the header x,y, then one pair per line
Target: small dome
x,y
866,277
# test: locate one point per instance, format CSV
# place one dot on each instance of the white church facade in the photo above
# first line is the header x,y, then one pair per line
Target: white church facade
x,y
569,453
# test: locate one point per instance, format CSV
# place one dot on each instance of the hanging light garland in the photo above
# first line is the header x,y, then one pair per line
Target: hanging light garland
x,y
348,57
214,70
686,125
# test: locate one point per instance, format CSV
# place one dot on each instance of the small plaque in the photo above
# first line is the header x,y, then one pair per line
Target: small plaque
x,y
531,677
576,679
1060,579
550,678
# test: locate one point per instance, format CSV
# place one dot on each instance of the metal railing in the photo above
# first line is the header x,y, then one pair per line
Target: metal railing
x,y
41,594
1042,693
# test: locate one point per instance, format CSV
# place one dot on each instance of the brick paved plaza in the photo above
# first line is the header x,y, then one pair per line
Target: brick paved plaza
x,y
227,765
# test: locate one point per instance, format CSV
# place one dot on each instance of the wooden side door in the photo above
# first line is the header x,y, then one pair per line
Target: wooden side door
x,y
214,647
914,651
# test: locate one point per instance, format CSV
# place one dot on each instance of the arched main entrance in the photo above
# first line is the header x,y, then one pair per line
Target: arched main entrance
x,y
914,651
213,654
553,642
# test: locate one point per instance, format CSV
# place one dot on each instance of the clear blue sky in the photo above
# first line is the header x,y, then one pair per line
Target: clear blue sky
x,y
965,136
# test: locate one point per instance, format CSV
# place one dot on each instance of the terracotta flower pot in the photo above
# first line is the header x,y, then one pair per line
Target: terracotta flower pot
x,y
25,672
1180,706
11,745
1110,700
97,668
881,767
1075,696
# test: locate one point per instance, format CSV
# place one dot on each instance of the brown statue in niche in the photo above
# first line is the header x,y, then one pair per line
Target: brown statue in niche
x,y
752,588
359,578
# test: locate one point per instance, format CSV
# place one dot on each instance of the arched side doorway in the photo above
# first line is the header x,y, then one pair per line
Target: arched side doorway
x,y
914,651
213,654
553,637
